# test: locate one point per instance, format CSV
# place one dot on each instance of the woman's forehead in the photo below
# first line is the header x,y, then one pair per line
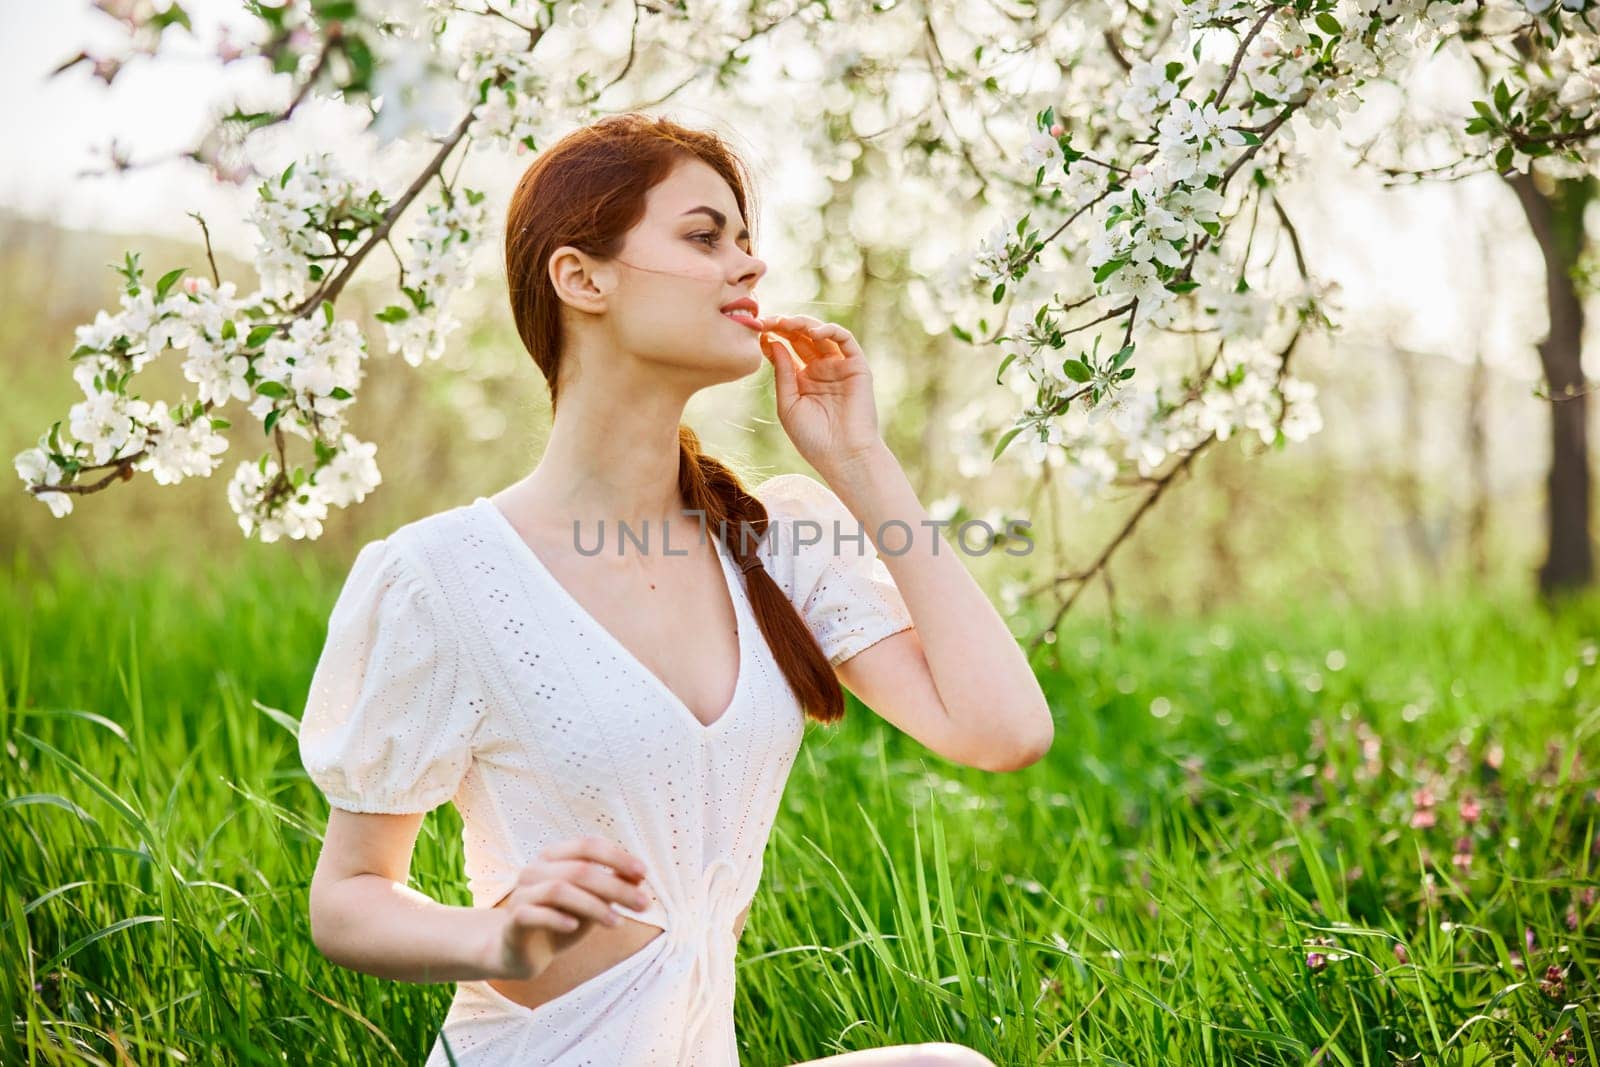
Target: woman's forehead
x,y
687,189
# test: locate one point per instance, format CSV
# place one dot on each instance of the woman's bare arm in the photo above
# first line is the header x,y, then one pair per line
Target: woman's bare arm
x,y
364,916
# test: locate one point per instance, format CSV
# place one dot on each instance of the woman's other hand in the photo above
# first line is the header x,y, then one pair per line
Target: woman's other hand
x,y
558,898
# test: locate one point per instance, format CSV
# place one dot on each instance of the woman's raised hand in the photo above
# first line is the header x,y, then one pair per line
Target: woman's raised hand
x,y
825,405
558,897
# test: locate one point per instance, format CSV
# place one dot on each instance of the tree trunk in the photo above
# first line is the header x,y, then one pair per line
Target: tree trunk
x,y
1408,472
1478,466
1557,223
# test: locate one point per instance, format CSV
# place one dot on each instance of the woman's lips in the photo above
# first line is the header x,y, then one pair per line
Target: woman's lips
x,y
743,318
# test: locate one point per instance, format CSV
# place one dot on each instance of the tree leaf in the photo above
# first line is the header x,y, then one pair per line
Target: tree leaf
x,y
1005,440
1108,268
1004,363
167,281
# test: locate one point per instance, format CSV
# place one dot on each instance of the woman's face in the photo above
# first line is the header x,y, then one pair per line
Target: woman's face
x,y
660,298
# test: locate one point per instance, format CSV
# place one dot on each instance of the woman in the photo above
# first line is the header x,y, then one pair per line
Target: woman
x,y
616,727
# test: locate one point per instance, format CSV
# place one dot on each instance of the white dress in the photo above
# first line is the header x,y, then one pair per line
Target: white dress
x,y
458,669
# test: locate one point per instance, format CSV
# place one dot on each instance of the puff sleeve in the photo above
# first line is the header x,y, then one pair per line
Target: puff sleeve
x,y
393,704
837,581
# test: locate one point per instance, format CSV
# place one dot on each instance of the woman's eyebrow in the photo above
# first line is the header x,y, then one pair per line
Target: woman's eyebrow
x,y
719,218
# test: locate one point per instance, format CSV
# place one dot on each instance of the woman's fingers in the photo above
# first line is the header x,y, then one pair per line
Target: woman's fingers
x,y
530,917
597,849
529,938
783,370
583,876
816,337
793,346
605,884
596,888
801,341
836,339
574,900
795,320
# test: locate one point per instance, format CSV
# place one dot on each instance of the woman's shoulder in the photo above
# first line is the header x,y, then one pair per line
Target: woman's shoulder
x,y
796,501
428,550
794,493
433,530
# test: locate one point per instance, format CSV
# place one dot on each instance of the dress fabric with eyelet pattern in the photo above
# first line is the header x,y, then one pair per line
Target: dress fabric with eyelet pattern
x,y
456,668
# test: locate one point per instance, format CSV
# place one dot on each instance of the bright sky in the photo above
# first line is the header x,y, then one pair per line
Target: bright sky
x,y
65,124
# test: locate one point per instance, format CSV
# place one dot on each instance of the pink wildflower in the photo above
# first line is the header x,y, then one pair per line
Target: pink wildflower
x,y
1554,983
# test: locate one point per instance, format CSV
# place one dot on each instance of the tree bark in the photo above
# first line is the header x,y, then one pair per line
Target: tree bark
x,y
1478,466
1408,473
1556,220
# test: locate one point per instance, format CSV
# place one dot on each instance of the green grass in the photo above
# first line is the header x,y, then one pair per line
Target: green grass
x,y
1221,793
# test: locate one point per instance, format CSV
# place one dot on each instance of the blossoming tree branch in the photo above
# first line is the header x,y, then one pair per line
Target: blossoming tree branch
x,y
282,350
1134,180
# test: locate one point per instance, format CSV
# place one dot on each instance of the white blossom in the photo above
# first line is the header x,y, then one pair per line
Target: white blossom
x,y
292,218
219,369
178,451
297,514
101,333
108,423
1079,181
35,467
415,93
350,475
1090,471
1147,90
441,252
1041,150
991,259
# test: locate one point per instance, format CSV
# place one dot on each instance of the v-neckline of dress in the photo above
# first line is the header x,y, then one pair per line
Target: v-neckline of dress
x,y
525,551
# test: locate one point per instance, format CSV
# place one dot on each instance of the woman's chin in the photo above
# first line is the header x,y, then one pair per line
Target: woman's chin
x,y
752,364
749,359
725,363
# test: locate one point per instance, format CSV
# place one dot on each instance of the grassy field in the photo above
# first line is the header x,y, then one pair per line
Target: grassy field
x,y
1324,836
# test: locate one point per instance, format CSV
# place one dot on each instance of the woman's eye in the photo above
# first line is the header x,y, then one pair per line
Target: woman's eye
x,y
711,243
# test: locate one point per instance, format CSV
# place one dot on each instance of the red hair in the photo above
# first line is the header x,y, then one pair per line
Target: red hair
x,y
588,190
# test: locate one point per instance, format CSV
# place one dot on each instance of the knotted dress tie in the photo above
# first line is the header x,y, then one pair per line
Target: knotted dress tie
x,y
705,930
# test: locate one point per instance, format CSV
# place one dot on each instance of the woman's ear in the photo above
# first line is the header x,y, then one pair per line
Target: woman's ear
x,y
580,280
